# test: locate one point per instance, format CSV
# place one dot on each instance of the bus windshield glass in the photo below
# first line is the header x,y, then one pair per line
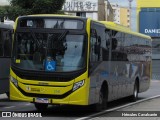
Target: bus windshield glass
x,y
59,52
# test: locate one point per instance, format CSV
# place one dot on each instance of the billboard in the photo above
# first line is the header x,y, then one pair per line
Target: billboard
x,y
149,23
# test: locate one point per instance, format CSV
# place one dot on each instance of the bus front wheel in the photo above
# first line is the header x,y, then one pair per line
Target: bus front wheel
x,y
102,104
41,106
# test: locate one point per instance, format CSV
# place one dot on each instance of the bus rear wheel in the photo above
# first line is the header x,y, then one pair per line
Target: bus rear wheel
x,y
134,97
41,106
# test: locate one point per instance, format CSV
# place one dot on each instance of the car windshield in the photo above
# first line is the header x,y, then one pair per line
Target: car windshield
x,y
53,52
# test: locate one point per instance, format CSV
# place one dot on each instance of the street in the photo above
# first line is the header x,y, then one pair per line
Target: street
x,y
71,112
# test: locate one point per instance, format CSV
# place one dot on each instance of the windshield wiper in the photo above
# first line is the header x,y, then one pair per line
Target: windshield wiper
x,y
63,35
56,43
34,37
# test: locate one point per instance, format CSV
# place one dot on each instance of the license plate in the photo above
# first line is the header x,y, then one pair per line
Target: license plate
x,y
42,100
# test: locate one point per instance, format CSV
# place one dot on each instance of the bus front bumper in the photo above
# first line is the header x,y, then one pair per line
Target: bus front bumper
x,y
78,97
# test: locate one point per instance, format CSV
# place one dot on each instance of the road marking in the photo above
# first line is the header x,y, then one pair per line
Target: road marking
x,y
10,107
28,104
116,108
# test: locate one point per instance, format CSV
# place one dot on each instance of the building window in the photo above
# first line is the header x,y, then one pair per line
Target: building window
x,y
81,14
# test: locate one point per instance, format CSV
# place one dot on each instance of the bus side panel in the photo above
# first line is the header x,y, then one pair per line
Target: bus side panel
x,y
103,72
4,74
145,76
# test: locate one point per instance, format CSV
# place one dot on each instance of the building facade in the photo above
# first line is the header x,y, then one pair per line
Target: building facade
x,y
94,9
121,15
148,22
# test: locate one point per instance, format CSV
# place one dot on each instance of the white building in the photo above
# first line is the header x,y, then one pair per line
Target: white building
x,y
88,8
116,12
82,8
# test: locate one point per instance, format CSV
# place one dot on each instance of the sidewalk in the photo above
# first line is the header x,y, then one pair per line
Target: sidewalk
x,y
139,111
149,105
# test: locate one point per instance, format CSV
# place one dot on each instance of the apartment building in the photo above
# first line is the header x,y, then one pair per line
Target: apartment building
x,y
121,15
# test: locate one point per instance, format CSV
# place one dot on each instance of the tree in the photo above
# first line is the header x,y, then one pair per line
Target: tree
x,y
25,7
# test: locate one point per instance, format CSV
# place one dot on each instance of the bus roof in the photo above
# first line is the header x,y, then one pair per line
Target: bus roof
x,y
110,25
57,15
114,26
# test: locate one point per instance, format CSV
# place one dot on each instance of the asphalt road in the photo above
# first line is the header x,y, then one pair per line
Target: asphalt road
x,y
156,69
71,112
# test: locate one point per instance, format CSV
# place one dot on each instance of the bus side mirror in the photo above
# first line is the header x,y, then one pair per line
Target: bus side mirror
x,y
93,33
97,46
107,43
114,43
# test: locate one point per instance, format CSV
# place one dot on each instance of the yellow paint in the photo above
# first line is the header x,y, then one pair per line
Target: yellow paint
x,y
148,3
124,19
18,61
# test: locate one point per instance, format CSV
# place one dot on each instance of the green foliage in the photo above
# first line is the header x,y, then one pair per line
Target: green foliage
x,y
3,10
26,7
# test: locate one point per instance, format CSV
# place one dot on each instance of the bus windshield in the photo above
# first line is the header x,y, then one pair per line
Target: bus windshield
x,y
53,52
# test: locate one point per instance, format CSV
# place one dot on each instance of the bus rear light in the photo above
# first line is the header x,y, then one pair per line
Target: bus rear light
x,y
14,81
77,85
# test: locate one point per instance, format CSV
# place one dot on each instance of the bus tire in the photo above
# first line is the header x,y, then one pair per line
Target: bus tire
x,y
102,104
41,106
134,97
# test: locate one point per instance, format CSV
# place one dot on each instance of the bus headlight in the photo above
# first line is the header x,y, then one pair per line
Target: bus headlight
x,y
78,85
14,81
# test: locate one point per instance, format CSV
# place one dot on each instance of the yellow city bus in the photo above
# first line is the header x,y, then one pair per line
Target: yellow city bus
x,y
58,59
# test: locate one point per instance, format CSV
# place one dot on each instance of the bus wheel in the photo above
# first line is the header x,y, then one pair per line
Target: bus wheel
x,y
134,97
102,104
41,106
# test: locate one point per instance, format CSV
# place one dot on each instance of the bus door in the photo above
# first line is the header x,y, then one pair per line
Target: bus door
x,y
93,67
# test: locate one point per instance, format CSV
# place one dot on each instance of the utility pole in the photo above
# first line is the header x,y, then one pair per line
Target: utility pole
x,y
101,10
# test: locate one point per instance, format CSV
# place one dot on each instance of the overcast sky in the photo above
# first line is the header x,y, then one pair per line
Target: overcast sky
x,y
123,2
4,2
